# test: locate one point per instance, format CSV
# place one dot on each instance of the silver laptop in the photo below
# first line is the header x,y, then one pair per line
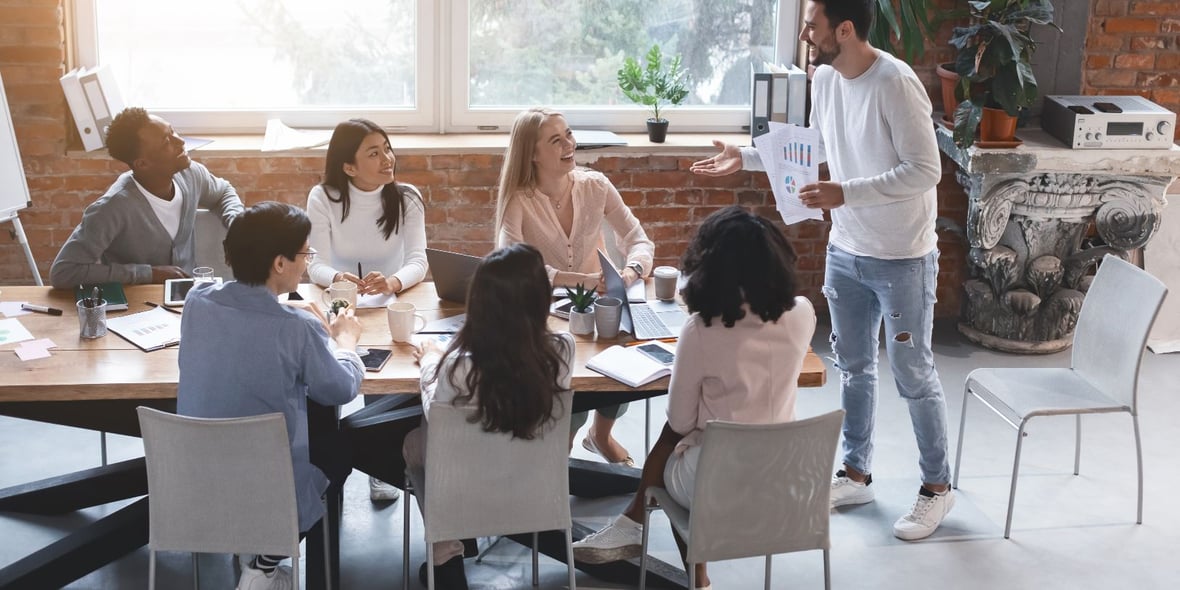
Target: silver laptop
x,y
645,320
451,272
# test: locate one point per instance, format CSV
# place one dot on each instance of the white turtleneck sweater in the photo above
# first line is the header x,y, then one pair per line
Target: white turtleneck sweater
x,y
342,244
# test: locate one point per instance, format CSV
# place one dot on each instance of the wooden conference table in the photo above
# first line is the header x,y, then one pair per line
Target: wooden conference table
x,y
96,384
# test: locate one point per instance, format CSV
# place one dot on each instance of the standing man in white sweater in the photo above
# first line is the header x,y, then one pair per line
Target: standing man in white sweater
x,y
873,116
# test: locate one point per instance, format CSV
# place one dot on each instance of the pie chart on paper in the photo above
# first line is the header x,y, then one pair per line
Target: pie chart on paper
x,y
791,187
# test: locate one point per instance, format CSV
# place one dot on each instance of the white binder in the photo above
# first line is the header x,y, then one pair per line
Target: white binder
x,y
94,100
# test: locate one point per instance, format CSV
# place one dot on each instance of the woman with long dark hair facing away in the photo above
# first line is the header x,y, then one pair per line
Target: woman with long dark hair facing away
x,y
738,359
367,227
545,200
508,368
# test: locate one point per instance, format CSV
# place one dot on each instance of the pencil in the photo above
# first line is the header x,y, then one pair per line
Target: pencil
x,y
665,340
359,274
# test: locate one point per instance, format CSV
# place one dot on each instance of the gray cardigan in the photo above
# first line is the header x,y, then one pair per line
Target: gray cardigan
x,y
120,238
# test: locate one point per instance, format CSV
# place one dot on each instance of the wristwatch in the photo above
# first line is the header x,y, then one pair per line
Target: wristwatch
x,y
638,268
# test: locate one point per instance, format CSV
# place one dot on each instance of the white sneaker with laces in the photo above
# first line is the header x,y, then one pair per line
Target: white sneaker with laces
x,y
256,579
380,491
928,511
619,540
846,491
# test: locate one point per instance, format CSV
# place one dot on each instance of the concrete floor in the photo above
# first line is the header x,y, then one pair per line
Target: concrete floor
x,y
1068,532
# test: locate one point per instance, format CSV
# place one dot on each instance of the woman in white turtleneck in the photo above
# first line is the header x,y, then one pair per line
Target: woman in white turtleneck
x,y
362,218
366,227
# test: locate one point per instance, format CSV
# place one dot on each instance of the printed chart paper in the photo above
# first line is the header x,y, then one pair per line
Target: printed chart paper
x,y
791,155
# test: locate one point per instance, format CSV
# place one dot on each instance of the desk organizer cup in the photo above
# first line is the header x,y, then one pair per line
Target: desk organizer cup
x,y
403,322
92,321
608,313
340,291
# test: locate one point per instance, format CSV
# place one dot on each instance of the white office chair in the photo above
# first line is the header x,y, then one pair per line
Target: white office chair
x,y
761,489
1112,329
220,486
478,484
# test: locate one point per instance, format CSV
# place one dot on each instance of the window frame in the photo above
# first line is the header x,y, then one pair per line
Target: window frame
x,y
442,65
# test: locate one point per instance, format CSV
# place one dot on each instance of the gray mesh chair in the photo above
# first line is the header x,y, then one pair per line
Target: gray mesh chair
x,y
761,489
1103,376
219,486
518,486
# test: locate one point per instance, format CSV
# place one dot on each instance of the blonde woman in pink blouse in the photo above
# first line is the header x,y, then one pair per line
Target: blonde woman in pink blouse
x,y
738,359
546,201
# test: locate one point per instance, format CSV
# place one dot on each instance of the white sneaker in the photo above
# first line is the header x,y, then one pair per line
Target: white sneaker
x,y
256,579
619,540
380,491
846,491
928,511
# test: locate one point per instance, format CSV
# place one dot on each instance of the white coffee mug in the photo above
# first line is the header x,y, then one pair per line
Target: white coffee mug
x,y
403,322
665,279
345,290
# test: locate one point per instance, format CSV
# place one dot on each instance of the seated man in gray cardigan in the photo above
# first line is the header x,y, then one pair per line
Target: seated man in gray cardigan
x,y
141,230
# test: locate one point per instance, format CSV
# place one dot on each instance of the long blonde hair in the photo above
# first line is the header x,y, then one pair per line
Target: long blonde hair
x,y
518,171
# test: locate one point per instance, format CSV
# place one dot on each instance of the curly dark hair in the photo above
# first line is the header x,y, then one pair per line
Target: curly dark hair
x,y
123,134
515,366
739,258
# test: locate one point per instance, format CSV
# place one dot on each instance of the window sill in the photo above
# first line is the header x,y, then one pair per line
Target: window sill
x,y
688,144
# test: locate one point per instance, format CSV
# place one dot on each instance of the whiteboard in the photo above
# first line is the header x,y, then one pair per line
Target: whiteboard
x,y
14,191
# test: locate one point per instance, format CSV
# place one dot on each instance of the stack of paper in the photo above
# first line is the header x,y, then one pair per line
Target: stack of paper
x,y
791,155
281,137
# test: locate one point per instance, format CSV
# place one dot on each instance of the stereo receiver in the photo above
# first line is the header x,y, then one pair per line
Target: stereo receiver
x,y
1108,122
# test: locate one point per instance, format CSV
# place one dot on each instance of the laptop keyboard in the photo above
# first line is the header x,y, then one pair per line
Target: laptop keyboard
x,y
647,323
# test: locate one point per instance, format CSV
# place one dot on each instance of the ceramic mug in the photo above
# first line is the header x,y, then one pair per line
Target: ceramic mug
x,y
403,322
665,279
342,290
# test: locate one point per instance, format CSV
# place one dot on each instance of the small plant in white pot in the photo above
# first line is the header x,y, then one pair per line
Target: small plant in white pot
x,y
654,84
582,309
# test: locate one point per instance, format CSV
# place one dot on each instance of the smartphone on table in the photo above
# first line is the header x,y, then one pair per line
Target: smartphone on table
x,y
657,353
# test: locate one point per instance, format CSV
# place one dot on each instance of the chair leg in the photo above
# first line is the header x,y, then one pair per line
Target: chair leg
x,y
295,572
151,570
646,427
569,557
959,447
196,570
692,575
1139,464
406,535
643,550
429,565
1015,472
827,571
102,445
1077,446
487,550
326,528
767,576
536,565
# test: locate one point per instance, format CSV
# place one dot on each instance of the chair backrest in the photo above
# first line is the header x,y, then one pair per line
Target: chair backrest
x,y
480,484
209,235
1113,326
219,485
763,489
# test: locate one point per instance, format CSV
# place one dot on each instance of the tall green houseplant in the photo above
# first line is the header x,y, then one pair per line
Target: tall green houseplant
x,y
654,84
994,60
912,22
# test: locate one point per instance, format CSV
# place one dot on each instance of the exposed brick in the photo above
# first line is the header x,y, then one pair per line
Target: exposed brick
x,y
1155,8
1111,78
1146,44
30,15
1157,80
1170,25
1110,8
660,179
1131,25
1099,62
1168,61
1097,40
1135,61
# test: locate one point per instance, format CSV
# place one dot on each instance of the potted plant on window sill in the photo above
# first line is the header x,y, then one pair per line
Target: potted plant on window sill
x,y
581,310
994,62
653,85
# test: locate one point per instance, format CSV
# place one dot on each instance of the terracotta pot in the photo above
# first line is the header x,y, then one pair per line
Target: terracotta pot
x,y
950,82
997,125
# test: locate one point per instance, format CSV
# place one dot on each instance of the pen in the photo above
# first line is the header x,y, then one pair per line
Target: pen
x,y
359,274
664,340
40,308
164,307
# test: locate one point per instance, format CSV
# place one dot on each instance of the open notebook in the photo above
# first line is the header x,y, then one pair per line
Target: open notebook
x,y
149,330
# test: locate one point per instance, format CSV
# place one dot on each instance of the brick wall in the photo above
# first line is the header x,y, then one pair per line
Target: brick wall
x,y
459,189
1133,47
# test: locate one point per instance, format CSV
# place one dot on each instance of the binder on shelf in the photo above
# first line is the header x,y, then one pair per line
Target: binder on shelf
x,y
788,94
760,102
94,100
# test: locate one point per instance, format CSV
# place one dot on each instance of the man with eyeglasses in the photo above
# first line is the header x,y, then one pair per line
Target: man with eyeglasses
x,y
244,353
143,229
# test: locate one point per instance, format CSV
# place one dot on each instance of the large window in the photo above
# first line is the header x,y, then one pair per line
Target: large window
x,y
425,65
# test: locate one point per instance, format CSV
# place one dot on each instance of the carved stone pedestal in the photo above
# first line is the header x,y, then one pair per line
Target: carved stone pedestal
x,y
1029,210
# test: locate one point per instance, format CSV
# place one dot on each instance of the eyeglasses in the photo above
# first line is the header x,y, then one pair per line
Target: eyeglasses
x,y
310,254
